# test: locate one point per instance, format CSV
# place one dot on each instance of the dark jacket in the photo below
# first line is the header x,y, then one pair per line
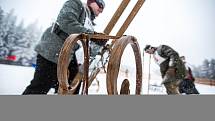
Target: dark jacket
x,y
189,75
71,20
172,61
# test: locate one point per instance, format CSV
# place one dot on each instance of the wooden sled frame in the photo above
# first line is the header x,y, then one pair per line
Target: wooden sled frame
x,y
119,43
113,64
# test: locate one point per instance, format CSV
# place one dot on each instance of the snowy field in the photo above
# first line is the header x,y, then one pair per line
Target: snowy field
x,y
14,79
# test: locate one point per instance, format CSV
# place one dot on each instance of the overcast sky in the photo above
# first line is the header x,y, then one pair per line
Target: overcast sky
x,y
186,25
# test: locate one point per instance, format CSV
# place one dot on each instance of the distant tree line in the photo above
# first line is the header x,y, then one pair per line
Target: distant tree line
x,y
206,70
17,42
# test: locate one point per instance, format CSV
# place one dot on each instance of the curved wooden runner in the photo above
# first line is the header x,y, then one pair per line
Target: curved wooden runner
x,y
113,64
64,60
115,60
63,64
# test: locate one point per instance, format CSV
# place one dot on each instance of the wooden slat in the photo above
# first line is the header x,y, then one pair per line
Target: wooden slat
x,y
116,16
130,17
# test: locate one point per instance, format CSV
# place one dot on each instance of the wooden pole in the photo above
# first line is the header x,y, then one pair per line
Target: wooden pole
x,y
130,17
116,16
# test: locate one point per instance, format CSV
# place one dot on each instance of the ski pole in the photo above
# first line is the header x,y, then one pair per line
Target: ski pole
x,y
149,76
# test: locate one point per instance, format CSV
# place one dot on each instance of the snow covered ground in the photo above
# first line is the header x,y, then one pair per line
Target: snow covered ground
x,y
14,79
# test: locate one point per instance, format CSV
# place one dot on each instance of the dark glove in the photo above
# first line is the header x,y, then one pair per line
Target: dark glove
x,y
100,42
171,72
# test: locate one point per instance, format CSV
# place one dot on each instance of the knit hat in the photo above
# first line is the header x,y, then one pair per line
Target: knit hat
x,y
100,3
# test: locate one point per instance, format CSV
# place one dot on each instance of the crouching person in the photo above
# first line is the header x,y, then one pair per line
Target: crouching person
x,y
187,86
171,66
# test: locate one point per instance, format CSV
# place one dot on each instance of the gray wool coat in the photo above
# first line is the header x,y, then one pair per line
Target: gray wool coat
x,y
71,19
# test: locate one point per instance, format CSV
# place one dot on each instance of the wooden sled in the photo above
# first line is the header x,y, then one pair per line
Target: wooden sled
x,y
116,49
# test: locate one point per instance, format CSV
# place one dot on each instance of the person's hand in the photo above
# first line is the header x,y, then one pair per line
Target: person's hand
x,y
171,72
169,76
98,32
100,42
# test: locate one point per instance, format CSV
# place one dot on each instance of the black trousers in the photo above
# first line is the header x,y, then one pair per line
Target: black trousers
x,y
45,76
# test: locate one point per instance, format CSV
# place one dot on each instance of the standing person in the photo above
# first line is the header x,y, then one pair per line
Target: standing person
x,y
74,17
187,86
171,67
